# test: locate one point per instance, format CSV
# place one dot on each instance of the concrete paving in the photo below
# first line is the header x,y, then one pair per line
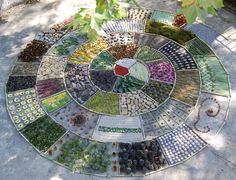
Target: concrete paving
x,y
19,161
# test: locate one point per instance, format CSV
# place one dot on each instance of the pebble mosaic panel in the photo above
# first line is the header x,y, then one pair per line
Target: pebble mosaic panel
x,y
128,104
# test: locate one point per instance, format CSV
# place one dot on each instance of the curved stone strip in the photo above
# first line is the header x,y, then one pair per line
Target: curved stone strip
x,y
180,144
114,39
23,107
180,58
49,87
208,121
150,40
163,17
78,83
104,103
135,103
158,91
25,69
140,14
76,119
162,71
198,47
187,87
51,68
43,133
124,25
81,155
55,102
118,129
86,52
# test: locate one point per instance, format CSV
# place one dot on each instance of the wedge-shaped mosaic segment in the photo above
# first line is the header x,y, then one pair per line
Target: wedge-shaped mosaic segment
x,y
51,68
78,82
158,91
43,133
123,51
76,119
136,103
55,102
162,71
82,155
124,25
49,87
210,116
114,39
180,144
187,87
127,84
104,61
16,83
163,17
141,14
214,77
23,107
25,69
103,102
140,158
180,57
166,118
104,80
146,54
87,52
139,71
150,40
198,47
118,129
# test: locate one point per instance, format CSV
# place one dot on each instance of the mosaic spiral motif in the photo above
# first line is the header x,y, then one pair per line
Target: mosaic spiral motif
x,y
133,102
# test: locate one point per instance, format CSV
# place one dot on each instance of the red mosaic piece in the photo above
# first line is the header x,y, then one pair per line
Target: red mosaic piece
x,y
121,71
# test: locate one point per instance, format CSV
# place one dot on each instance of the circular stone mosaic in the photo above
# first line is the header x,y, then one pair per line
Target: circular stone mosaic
x,y
145,97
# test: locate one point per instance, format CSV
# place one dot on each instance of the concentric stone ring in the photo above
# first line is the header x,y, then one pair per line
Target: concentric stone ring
x,y
131,103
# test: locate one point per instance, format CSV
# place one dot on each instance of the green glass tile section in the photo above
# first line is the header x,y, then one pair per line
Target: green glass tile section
x,y
85,156
56,101
146,54
214,78
139,71
127,84
105,103
43,133
198,47
104,61
164,17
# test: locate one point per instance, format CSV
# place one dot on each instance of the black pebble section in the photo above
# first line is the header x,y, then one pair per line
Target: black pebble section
x,y
16,83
